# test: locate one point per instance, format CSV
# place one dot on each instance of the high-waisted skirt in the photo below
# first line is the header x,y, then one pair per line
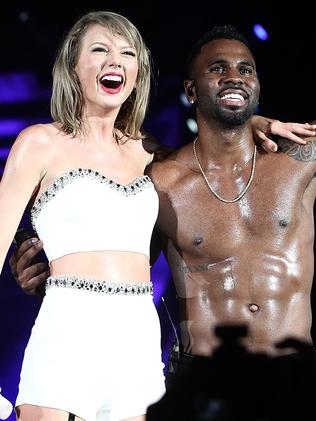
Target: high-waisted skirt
x,y
92,352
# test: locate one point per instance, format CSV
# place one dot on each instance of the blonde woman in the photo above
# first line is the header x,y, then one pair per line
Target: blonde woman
x,y
94,352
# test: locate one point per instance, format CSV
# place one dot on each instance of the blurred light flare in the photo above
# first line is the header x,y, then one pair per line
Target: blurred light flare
x,y
192,125
260,32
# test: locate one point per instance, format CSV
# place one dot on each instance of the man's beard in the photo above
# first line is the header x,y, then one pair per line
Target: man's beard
x,y
235,118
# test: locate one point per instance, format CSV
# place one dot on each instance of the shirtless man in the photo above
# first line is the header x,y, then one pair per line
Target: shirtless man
x,y
239,230
238,221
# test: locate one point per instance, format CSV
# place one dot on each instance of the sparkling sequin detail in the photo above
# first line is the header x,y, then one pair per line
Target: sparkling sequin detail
x,y
107,287
59,183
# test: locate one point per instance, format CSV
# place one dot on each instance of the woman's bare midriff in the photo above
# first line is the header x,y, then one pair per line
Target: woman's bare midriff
x,y
116,266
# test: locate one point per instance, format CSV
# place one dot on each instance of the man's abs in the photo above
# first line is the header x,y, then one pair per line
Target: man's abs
x,y
265,294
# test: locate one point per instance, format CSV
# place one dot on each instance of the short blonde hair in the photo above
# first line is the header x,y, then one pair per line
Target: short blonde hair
x,y
67,98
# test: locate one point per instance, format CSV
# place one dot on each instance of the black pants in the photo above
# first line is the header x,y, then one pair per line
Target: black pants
x,y
240,386
178,363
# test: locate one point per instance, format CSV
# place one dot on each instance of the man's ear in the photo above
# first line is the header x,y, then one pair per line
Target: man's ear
x,y
189,90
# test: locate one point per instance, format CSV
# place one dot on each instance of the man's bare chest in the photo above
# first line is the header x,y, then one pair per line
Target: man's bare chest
x,y
271,209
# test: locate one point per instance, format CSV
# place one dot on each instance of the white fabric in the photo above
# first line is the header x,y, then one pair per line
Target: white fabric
x,y
5,407
87,215
97,356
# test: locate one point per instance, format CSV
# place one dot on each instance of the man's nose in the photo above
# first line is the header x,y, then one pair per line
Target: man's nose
x,y
233,77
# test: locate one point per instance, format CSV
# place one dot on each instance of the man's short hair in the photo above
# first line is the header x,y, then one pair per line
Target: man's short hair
x,y
217,32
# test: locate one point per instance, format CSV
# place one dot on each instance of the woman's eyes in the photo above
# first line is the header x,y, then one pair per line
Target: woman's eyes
x,y
105,50
129,53
100,50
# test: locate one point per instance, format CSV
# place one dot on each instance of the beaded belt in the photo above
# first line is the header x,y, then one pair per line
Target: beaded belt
x,y
106,287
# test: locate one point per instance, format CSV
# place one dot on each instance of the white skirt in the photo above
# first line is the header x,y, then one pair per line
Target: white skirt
x,y
95,355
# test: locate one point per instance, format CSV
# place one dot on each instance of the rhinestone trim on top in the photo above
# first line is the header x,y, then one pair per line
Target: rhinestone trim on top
x,y
59,183
122,288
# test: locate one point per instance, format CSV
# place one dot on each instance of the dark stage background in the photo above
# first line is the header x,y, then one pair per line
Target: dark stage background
x,y
29,39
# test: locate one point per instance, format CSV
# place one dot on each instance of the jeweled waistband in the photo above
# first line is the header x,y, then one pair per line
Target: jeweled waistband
x,y
107,287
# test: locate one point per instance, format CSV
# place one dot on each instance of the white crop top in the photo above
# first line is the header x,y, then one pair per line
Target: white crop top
x,y
82,210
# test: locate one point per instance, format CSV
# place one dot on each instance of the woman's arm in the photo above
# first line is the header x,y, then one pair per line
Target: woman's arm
x,y
22,175
264,128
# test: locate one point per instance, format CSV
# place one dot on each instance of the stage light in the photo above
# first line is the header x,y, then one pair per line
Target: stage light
x,y
191,124
260,32
17,87
184,100
12,126
24,16
4,152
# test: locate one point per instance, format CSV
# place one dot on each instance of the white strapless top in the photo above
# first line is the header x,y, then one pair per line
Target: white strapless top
x,y
84,211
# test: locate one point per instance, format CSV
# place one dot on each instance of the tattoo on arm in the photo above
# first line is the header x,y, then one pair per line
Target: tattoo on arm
x,y
305,153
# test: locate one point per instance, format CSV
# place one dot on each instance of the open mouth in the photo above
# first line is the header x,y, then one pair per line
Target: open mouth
x,y
233,97
111,81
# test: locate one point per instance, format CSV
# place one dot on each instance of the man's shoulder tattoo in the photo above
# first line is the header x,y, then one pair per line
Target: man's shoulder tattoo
x,y
305,153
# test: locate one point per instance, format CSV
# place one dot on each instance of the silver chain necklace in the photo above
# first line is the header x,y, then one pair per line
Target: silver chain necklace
x,y
240,195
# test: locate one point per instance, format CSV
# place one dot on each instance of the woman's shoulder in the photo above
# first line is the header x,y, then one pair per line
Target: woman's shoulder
x,y
38,133
34,142
137,148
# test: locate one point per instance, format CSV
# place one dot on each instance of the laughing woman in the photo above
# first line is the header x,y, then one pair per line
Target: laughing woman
x,y
94,352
